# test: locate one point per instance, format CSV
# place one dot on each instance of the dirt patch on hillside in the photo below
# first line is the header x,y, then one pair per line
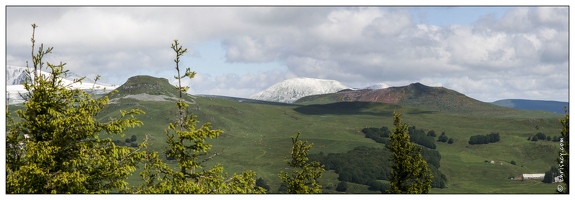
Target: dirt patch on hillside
x,y
387,95
148,97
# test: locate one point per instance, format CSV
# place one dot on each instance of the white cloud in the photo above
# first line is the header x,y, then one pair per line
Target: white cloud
x,y
362,46
235,85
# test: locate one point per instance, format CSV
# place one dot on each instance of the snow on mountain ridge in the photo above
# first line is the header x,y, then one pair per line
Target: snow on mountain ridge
x,y
291,90
16,75
378,86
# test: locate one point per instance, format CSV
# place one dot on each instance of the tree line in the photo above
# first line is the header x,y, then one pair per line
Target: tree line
x,y
418,136
484,139
541,136
365,165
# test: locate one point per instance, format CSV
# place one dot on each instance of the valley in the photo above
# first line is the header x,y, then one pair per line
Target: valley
x,y
257,137
257,134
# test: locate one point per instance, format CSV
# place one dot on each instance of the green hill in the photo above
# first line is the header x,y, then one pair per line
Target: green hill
x,y
257,134
524,104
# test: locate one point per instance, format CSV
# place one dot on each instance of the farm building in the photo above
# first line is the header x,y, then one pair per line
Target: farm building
x,y
532,176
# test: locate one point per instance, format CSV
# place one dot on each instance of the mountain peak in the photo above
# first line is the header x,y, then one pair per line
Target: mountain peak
x,y
16,76
291,90
147,88
417,84
415,94
377,86
144,81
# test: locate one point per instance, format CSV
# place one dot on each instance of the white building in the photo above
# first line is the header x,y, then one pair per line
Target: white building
x,y
532,176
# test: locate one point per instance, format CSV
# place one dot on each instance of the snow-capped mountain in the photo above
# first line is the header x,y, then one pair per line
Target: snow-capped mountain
x,y
377,86
291,90
16,75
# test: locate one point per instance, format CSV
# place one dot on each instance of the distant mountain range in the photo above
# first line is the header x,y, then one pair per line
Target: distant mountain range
x,y
320,91
309,91
257,133
524,104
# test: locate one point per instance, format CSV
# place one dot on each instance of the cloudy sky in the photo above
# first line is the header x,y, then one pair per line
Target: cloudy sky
x,y
487,53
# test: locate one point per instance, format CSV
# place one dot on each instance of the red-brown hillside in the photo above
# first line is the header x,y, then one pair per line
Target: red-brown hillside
x,y
415,94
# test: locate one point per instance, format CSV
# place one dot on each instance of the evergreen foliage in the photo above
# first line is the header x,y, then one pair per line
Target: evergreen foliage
x,y
555,171
55,146
563,160
410,173
548,178
359,165
450,141
380,135
418,136
305,175
363,165
186,145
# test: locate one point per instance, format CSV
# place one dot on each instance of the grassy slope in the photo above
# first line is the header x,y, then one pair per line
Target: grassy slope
x,y
524,104
257,136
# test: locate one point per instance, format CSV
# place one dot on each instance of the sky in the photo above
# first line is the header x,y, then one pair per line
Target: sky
x,y
487,53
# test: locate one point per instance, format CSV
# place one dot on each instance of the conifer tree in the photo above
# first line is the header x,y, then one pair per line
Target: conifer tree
x,y
55,147
563,159
410,173
305,175
187,146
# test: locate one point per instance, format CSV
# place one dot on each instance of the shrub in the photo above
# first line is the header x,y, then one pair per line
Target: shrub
x,y
341,186
548,177
262,183
540,136
513,162
119,143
